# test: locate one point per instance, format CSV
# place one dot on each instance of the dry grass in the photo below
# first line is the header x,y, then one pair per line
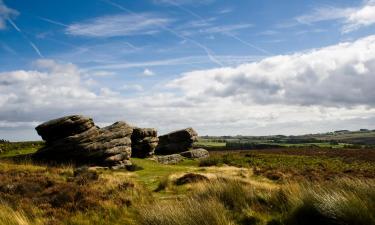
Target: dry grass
x,y
37,194
187,211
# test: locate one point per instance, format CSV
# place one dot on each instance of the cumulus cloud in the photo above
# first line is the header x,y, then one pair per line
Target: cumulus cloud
x,y
118,25
339,75
5,14
320,90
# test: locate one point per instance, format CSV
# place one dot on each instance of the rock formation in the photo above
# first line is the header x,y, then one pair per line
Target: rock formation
x,y
144,142
76,139
176,142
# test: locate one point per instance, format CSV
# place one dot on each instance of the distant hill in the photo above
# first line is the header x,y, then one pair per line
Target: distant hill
x,y
360,137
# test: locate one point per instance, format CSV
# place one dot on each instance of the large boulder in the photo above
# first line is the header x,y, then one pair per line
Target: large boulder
x,y
144,142
176,142
76,139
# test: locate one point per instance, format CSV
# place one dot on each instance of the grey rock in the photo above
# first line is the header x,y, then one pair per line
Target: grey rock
x,y
169,159
144,142
199,153
76,139
64,127
177,141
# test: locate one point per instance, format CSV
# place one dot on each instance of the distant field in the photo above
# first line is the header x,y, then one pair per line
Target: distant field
x,y
19,148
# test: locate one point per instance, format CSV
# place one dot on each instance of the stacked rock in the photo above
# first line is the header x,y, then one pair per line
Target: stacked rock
x,y
176,142
76,139
144,142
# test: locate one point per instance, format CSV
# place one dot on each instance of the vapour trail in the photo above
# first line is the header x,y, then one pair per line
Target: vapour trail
x,y
226,33
36,49
208,51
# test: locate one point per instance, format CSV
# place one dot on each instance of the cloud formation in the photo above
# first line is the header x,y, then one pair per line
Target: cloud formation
x,y
315,91
5,14
352,18
339,75
118,25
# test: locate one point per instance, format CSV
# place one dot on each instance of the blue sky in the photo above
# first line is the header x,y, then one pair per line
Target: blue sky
x,y
135,59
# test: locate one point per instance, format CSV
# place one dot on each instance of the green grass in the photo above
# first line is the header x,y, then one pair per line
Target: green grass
x,y
19,148
153,172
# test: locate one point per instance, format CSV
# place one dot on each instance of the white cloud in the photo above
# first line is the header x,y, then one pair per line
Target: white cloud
x,y
352,18
102,73
118,25
5,14
339,75
132,87
148,73
362,17
320,90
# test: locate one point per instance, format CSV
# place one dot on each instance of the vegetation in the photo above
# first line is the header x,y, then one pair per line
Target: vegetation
x,y
337,139
275,186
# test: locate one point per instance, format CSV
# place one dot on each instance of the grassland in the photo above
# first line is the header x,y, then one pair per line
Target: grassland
x,y
275,186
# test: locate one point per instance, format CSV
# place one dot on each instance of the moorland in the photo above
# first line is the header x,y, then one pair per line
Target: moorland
x,y
310,179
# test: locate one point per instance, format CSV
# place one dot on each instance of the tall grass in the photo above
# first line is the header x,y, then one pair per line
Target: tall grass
x,y
9,216
344,202
184,212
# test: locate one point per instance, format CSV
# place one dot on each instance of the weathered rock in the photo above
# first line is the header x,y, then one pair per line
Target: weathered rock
x,y
199,153
177,141
64,127
169,159
76,139
144,142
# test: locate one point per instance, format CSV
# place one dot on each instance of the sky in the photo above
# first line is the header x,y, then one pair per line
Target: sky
x,y
239,67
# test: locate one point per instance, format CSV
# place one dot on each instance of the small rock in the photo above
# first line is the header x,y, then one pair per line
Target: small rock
x,y
199,153
169,159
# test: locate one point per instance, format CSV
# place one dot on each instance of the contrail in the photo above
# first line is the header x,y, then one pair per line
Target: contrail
x,y
36,49
226,33
204,48
53,21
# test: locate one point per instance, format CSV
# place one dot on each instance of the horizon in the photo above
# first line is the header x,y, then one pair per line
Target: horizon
x,y
224,68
